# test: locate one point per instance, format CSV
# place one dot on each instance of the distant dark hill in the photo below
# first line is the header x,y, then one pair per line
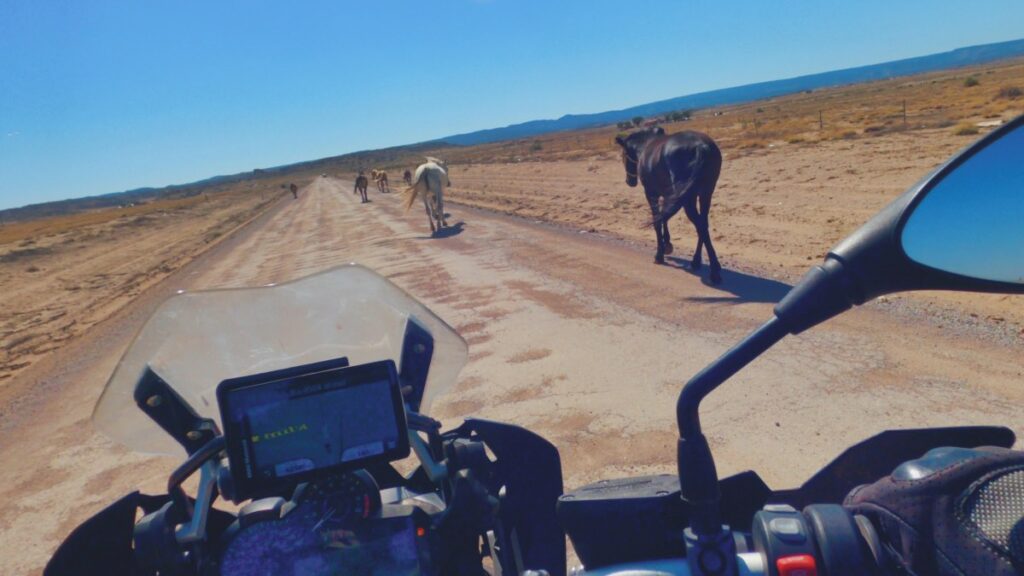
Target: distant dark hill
x,y
136,196
953,59
368,158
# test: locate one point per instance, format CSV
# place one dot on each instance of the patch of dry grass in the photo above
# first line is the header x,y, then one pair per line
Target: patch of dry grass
x,y
19,231
965,129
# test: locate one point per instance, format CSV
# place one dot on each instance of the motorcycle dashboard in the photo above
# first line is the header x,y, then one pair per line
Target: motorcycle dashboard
x,y
286,427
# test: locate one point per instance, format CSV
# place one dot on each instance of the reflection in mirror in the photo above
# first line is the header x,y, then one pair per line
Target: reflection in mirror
x,y
971,222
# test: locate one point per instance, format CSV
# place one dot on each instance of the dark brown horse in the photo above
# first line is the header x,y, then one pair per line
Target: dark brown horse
x,y
679,172
361,183
407,177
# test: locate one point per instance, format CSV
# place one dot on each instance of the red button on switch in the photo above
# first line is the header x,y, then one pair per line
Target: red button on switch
x,y
798,565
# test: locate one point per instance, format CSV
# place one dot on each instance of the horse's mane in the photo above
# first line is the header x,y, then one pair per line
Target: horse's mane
x,y
435,160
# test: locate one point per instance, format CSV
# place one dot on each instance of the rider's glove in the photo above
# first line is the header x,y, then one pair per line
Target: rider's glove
x,y
954,511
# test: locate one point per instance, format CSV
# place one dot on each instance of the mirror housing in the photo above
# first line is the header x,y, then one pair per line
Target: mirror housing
x,y
871,262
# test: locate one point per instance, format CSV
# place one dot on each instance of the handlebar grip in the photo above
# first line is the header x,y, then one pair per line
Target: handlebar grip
x,y
843,549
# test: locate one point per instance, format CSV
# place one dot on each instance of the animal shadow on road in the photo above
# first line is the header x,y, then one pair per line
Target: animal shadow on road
x,y
453,230
741,287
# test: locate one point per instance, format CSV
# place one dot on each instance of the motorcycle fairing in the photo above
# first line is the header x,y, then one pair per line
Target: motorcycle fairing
x,y
530,470
102,545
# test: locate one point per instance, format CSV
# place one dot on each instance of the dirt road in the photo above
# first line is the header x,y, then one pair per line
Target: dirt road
x,y
577,337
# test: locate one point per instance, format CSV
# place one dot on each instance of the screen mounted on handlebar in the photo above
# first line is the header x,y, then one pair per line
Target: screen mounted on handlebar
x,y
283,428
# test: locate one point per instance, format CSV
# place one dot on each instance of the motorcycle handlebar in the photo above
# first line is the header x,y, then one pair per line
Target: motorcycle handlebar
x,y
748,563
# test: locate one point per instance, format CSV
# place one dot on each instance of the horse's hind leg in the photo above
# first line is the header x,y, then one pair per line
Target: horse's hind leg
x,y
668,238
700,222
442,221
430,215
705,211
659,256
690,206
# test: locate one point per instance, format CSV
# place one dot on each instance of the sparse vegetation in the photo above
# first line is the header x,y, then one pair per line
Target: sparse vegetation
x,y
965,129
638,120
1009,93
22,254
971,82
536,146
678,116
25,233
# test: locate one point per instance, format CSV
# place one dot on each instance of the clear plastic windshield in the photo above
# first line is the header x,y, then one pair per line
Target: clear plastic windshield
x,y
195,340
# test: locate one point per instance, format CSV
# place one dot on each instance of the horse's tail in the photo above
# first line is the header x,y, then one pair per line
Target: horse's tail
x,y
672,203
409,196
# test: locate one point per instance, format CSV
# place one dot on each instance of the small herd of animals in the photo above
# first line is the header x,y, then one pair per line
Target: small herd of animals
x,y
678,173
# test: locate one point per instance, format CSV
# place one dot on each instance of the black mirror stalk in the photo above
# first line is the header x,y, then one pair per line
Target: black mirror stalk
x,y
707,541
825,291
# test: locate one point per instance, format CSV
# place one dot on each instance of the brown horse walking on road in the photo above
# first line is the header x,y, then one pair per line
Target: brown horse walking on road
x,y
382,182
361,183
679,172
407,177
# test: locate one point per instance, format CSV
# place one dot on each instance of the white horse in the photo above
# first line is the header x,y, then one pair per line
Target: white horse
x,y
430,180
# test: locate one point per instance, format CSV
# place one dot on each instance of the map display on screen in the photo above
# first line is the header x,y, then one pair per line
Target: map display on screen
x,y
280,428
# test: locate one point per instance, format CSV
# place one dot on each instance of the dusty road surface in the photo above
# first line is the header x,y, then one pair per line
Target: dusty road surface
x,y
781,207
575,336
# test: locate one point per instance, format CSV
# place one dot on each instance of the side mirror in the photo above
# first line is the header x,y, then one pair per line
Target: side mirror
x,y
970,222
961,228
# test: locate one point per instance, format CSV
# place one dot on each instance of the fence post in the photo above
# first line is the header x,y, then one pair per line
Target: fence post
x,y
904,112
821,121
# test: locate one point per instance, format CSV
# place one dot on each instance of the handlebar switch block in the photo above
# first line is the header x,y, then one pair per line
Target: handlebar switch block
x,y
824,538
784,538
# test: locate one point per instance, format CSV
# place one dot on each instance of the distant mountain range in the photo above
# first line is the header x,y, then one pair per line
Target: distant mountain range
x,y
112,199
946,60
954,59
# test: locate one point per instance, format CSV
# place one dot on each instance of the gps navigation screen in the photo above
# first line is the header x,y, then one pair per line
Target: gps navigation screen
x,y
283,427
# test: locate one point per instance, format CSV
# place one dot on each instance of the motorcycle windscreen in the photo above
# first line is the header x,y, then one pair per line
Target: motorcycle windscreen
x,y
195,340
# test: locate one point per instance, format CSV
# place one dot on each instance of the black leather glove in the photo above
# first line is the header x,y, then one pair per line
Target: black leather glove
x,y
954,511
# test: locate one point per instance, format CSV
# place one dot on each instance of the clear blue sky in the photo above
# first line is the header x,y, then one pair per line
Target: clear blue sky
x,y
102,96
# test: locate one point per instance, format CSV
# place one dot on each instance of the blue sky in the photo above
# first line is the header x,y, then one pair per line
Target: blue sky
x,y
102,96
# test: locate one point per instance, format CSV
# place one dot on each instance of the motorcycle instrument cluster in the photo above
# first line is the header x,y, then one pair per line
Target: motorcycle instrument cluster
x,y
323,530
